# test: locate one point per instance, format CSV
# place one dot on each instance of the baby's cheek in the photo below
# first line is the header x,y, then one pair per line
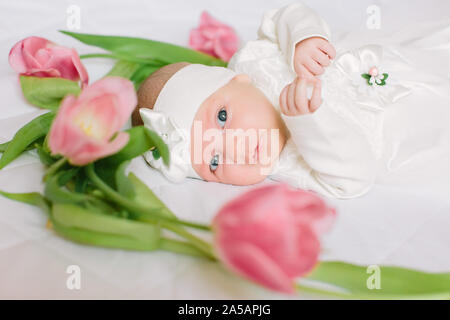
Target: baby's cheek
x,y
242,175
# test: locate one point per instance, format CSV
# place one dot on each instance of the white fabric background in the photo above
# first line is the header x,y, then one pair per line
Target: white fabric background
x,y
390,225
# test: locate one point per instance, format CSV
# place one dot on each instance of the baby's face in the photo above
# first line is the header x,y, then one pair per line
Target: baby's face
x,y
237,135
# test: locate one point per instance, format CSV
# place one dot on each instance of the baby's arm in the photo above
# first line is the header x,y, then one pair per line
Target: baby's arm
x,y
340,157
301,35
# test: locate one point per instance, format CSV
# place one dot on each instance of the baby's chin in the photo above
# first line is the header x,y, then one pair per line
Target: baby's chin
x,y
243,175
247,181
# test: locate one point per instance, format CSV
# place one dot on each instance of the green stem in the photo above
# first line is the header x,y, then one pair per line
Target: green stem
x,y
302,288
54,167
98,55
195,241
374,296
149,215
182,247
154,63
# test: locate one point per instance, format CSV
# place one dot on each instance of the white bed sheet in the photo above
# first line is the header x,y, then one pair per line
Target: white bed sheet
x,y
405,226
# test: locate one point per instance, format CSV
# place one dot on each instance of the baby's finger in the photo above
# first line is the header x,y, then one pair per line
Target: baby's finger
x,y
314,67
291,97
321,58
283,102
328,48
316,97
301,98
302,72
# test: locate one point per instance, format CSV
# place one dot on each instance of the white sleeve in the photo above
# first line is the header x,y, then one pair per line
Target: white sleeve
x,y
341,159
290,25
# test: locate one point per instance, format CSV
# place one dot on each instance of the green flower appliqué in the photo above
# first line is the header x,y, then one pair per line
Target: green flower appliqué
x,y
155,152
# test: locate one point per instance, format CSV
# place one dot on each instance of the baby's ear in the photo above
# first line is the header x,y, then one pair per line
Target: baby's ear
x,y
243,78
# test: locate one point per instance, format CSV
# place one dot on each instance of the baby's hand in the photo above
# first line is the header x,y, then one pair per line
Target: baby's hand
x,y
294,100
311,56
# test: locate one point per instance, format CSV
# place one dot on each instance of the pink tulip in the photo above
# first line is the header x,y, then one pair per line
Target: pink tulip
x,y
86,128
214,38
270,234
34,56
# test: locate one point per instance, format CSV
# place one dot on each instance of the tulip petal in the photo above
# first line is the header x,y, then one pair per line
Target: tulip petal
x,y
61,59
82,72
56,140
303,261
93,151
33,44
196,39
311,210
84,126
278,226
44,73
99,117
226,45
42,58
122,88
16,60
214,38
21,56
254,264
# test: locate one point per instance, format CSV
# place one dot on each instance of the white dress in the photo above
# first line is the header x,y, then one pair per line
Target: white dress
x,y
398,133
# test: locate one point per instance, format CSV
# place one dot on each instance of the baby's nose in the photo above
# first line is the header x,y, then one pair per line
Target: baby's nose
x,y
241,150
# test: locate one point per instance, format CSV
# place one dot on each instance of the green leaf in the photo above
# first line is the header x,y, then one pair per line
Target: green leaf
x,y
146,51
395,282
47,93
35,129
142,73
124,69
33,198
163,150
56,192
102,239
3,147
140,142
156,154
145,196
65,176
382,82
81,182
45,157
84,226
124,186
367,77
39,142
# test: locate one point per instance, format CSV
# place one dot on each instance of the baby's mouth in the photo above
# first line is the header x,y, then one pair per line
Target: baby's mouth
x,y
256,153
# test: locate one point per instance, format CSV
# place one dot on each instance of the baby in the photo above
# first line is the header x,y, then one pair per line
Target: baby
x,y
275,111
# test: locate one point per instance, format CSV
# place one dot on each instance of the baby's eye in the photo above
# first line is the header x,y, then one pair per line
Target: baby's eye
x,y
222,117
214,163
